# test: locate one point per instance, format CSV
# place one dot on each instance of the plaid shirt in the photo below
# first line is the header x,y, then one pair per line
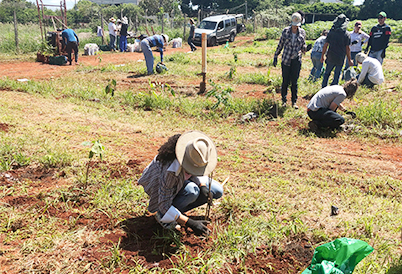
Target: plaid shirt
x,y
291,50
319,44
162,183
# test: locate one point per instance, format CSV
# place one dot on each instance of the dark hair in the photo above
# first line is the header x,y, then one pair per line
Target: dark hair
x,y
324,32
301,13
350,87
167,152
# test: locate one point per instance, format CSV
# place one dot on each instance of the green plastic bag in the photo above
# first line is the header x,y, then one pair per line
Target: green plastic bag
x,y
338,257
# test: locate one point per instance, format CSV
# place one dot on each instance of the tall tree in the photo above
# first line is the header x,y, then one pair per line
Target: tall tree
x,y
371,8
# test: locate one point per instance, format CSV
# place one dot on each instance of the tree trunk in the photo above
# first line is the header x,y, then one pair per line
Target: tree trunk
x,y
16,32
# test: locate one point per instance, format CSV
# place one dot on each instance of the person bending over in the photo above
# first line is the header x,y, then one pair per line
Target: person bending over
x,y
159,41
177,180
324,104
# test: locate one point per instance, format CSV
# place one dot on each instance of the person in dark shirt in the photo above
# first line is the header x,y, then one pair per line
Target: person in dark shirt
x,y
159,41
191,35
123,34
379,38
72,42
338,40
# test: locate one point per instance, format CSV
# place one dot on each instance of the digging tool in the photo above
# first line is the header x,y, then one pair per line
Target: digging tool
x,y
209,203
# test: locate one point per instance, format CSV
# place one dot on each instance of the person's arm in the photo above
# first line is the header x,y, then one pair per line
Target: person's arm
x,y
334,107
370,40
76,37
324,50
387,36
280,46
363,73
349,56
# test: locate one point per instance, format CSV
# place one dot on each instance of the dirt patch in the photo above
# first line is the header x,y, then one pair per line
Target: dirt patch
x,y
4,127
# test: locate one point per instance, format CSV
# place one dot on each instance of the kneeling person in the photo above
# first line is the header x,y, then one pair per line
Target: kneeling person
x,y
322,107
371,73
177,180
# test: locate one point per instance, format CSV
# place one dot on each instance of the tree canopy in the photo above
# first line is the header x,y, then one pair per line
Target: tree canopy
x,y
371,8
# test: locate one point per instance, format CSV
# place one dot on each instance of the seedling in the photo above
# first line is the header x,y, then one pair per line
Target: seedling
x,y
222,95
111,87
97,149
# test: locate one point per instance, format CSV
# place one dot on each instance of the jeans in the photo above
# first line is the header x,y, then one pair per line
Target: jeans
x,y
189,196
290,74
317,66
123,43
376,55
70,47
149,57
191,44
327,73
112,44
324,117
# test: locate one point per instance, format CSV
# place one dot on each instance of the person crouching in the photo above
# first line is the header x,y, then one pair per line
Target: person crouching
x,y
324,104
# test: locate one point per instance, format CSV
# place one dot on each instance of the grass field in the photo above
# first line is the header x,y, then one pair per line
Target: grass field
x,y
63,212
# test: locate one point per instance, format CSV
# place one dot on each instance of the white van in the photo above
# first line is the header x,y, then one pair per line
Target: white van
x,y
219,28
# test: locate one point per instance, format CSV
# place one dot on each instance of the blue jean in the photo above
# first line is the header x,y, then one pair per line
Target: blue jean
x,y
123,43
112,44
290,75
376,55
324,117
317,66
189,196
191,44
328,71
149,57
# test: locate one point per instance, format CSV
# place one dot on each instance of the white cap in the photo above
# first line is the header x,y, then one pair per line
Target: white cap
x,y
296,19
166,38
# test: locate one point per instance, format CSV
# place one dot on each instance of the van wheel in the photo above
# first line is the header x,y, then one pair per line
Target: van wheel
x,y
232,37
212,42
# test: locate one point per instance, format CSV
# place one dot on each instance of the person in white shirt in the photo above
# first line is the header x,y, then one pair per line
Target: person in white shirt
x,y
358,38
371,73
112,34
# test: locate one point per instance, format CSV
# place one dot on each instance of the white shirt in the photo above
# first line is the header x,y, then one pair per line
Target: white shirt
x,y
112,28
371,67
359,37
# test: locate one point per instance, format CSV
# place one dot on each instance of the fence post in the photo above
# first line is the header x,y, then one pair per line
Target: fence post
x,y
16,32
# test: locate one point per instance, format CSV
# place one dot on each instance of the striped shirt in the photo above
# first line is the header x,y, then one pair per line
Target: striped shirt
x,y
156,41
291,50
162,183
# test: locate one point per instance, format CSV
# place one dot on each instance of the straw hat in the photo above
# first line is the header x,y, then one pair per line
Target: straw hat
x,y
112,20
196,153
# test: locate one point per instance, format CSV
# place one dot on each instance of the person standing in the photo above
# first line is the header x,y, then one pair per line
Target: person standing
x,y
72,42
379,38
112,34
123,34
118,28
177,180
322,107
338,45
191,35
316,56
293,43
358,38
153,41
371,73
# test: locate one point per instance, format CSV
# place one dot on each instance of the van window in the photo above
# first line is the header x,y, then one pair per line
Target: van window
x,y
233,22
220,25
227,23
207,25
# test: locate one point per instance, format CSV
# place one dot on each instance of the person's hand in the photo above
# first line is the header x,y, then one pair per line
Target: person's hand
x,y
275,62
198,226
383,54
354,42
350,63
351,113
204,191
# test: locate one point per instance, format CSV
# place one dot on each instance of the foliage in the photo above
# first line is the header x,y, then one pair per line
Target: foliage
x,y
97,149
222,95
371,8
328,11
111,87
